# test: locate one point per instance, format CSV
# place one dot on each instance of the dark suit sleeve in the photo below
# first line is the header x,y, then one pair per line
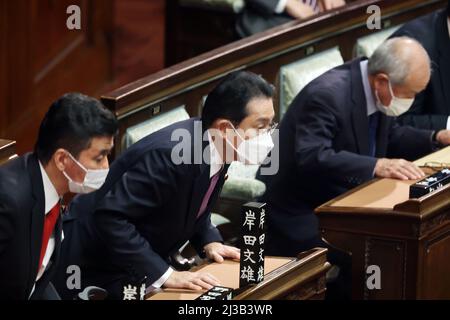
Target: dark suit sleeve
x,y
143,188
7,210
315,131
419,117
263,7
409,143
205,232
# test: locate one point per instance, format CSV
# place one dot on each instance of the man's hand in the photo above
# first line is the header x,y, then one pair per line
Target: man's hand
x,y
443,137
217,251
330,4
298,10
398,169
191,280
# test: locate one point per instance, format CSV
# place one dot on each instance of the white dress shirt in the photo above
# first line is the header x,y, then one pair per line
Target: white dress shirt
x,y
51,199
370,99
216,164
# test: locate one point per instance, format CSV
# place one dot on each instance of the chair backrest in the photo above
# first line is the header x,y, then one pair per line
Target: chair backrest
x,y
141,130
295,76
366,45
265,53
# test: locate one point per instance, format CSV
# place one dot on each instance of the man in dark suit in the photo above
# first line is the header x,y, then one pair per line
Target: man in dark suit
x,y
158,195
431,109
76,134
260,15
338,133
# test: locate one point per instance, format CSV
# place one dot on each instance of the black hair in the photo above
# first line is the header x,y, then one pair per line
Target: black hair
x,y
448,8
229,99
71,123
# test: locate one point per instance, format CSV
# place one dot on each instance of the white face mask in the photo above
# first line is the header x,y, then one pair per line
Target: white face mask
x,y
397,107
253,151
93,179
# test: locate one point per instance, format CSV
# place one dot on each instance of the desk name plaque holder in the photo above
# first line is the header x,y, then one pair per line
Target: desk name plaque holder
x,y
251,265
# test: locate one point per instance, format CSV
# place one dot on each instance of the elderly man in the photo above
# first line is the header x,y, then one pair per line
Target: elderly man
x,y
431,109
340,132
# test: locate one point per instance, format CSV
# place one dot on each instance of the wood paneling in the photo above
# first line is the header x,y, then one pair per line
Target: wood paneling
x,y
139,39
409,242
41,60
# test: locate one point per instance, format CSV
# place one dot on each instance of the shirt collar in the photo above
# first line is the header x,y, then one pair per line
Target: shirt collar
x,y
371,106
215,158
50,193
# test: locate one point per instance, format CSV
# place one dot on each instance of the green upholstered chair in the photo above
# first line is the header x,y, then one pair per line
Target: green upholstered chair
x,y
242,184
295,76
139,131
365,46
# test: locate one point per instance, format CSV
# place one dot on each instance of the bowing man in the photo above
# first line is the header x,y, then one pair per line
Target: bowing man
x,y
160,191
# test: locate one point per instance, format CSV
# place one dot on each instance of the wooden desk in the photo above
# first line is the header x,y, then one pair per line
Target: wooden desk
x,y
409,239
7,150
286,278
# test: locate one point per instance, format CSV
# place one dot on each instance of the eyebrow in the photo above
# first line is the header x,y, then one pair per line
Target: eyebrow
x,y
104,152
264,119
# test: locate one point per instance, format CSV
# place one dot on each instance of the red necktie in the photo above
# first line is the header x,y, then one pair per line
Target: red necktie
x,y
49,226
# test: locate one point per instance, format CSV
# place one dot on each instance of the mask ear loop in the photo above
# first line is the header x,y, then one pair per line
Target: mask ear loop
x,y
229,142
234,148
68,177
79,164
237,132
378,96
391,91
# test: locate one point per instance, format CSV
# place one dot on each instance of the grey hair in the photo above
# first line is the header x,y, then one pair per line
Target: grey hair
x,y
389,58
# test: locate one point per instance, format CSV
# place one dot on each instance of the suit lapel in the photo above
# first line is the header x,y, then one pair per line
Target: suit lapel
x,y
200,185
382,136
360,120
199,190
37,219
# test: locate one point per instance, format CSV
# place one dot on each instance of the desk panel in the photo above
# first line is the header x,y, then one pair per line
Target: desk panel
x,y
227,273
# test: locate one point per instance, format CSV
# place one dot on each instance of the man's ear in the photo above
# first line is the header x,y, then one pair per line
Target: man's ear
x,y
60,159
380,79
